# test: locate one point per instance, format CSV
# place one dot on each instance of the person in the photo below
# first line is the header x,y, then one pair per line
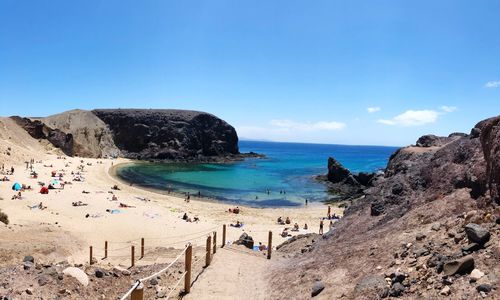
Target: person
x,y
287,221
306,201
185,217
262,247
114,198
280,221
305,226
296,227
321,227
331,225
284,233
329,212
12,170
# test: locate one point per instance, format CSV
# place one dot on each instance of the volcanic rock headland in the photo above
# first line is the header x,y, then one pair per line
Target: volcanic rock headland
x,y
137,134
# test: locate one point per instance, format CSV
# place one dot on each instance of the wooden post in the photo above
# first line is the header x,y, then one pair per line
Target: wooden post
x,y
215,242
223,235
106,249
142,247
270,245
90,255
187,278
132,254
138,293
207,257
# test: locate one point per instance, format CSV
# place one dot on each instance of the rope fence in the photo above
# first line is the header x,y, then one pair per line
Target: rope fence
x,y
136,292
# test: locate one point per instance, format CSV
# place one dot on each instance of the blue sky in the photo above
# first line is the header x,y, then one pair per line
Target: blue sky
x,y
349,72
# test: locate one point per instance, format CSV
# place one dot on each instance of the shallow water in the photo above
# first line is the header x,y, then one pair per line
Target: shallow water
x,y
287,173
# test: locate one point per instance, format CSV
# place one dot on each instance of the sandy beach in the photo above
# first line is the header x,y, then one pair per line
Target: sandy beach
x,y
153,216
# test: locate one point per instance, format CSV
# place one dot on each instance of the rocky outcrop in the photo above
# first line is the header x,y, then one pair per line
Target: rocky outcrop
x,y
39,130
341,181
169,134
138,134
92,137
490,140
433,217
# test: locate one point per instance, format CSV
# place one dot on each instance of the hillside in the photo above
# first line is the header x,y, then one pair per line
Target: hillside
x,y
435,208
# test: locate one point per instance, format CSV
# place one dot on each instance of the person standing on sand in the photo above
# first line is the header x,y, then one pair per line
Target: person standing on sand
x,y
329,212
321,227
306,201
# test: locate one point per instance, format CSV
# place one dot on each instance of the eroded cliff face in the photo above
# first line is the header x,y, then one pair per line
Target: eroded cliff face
x,y
169,134
39,130
489,131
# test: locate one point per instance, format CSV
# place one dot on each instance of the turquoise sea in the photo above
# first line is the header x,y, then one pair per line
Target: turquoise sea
x,y
287,173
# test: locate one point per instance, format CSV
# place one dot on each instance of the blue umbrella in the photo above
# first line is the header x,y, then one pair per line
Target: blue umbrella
x,y
16,187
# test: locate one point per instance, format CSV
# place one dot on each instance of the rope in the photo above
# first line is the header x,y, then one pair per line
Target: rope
x,y
175,286
136,284
166,268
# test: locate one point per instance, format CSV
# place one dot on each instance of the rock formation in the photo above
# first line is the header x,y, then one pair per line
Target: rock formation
x,y
137,133
169,134
429,227
342,182
39,130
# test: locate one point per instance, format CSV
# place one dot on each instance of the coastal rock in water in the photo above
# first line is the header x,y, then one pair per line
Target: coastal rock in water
x,y
336,171
169,134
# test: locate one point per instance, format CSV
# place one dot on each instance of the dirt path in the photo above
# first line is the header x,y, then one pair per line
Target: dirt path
x,y
233,274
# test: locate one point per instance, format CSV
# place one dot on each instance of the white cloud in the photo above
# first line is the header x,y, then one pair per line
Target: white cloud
x,y
412,118
373,109
448,109
289,130
492,84
321,125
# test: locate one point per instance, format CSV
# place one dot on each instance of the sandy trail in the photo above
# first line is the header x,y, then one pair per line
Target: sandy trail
x,y
233,274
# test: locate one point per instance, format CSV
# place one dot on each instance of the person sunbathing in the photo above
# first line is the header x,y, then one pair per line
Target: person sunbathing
x,y
79,203
126,205
115,187
284,233
280,221
287,221
235,210
185,216
237,225
295,227
114,198
41,206
305,226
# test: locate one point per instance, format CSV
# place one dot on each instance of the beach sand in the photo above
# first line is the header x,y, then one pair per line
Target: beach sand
x,y
158,221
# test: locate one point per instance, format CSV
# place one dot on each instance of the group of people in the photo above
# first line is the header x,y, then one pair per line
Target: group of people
x,y
186,218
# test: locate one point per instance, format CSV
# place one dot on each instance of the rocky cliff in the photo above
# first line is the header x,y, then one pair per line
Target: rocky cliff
x,y
137,133
38,130
427,229
169,134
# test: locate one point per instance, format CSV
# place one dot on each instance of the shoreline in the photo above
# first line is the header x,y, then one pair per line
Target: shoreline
x,y
182,195
158,218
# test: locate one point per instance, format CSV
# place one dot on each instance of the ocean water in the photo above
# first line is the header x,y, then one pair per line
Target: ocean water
x,y
287,172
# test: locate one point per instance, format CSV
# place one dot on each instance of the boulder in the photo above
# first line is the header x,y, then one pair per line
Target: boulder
x,y
459,266
245,240
336,171
485,288
372,284
396,290
78,274
29,258
99,273
477,234
475,275
317,288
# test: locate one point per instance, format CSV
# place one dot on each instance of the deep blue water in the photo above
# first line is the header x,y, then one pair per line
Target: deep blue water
x,y
287,173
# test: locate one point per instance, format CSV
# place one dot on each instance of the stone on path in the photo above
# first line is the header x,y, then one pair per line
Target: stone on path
x,y
78,274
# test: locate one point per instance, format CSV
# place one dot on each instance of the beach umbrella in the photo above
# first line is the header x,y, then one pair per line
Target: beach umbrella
x,y
16,187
